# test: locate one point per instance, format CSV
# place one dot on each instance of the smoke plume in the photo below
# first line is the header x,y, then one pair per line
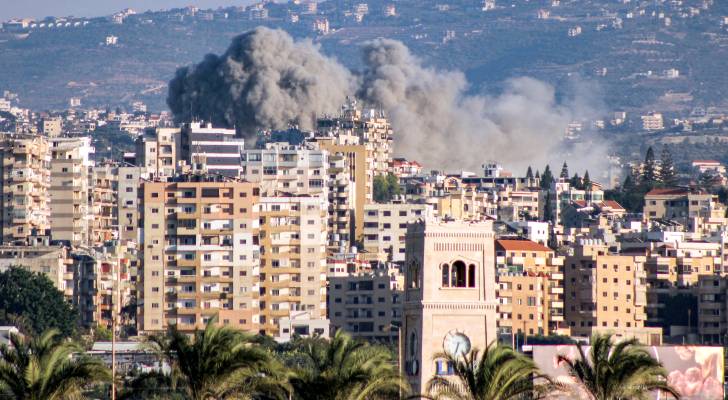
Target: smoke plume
x,y
265,80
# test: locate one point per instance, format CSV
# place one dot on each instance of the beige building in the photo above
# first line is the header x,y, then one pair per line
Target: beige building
x,y
368,305
712,324
607,292
71,169
692,210
127,205
530,289
52,127
104,200
157,151
450,295
25,181
293,259
385,228
199,254
51,261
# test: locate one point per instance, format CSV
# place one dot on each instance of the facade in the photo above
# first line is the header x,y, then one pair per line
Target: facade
x,y
530,289
51,261
104,200
52,127
70,191
385,228
127,205
292,261
607,292
199,254
368,305
158,151
215,151
678,204
25,181
450,295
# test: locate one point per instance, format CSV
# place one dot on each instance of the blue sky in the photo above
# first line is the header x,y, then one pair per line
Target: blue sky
x,y
89,8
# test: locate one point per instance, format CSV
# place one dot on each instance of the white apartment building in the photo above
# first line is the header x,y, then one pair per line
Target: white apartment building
x,y
385,228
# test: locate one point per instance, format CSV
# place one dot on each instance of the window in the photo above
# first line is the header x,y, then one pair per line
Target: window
x,y
471,275
457,275
445,275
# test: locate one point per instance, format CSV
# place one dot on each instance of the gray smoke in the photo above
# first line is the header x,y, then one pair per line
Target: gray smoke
x,y
438,123
264,80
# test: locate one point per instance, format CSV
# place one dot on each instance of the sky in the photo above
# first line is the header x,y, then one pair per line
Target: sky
x,y
93,8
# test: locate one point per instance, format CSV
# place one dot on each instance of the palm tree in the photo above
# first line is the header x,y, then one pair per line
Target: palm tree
x,y
45,368
217,363
342,368
499,373
617,371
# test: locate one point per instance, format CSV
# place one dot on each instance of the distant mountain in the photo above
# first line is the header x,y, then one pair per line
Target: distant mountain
x,y
640,55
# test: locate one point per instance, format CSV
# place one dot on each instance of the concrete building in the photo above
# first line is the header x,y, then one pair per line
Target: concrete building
x,y
712,325
211,150
530,289
104,201
653,122
385,228
450,295
127,206
52,127
25,181
158,151
199,254
71,168
293,259
607,293
368,304
688,208
51,261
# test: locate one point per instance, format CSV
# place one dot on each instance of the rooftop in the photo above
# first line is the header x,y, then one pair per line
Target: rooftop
x,y
523,245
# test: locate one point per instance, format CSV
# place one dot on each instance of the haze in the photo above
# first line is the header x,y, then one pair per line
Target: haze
x,y
91,8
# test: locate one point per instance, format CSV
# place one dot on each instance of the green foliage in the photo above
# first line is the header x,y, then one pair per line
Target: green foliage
x,y
343,368
498,373
546,178
529,172
668,175
102,333
649,170
564,171
575,181
386,187
33,298
217,362
586,181
612,371
45,368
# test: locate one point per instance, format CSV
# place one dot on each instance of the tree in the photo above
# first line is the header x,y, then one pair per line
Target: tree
x,y
385,188
586,181
649,169
668,177
575,181
546,178
617,371
344,368
46,368
564,171
33,297
499,373
216,363
708,180
529,172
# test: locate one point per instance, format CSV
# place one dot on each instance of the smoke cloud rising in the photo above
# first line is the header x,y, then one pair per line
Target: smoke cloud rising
x,y
266,80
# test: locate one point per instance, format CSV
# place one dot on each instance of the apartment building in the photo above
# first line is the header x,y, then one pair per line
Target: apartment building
x,y
688,208
368,305
530,289
211,150
52,127
712,298
360,190
104,200
199,253
71,168
561,194
25,180
385,229
606,292
465,204
158,151
293,259
127,205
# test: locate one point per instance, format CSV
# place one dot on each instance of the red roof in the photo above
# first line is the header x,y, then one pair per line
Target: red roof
x,y
613,205
706,162
522,245
667,191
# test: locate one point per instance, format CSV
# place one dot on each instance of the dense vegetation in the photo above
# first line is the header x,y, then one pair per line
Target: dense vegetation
x,y
31,301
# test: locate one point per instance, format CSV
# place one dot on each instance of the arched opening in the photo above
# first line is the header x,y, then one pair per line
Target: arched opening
x,y
471,275
457,275
414,276
445,275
